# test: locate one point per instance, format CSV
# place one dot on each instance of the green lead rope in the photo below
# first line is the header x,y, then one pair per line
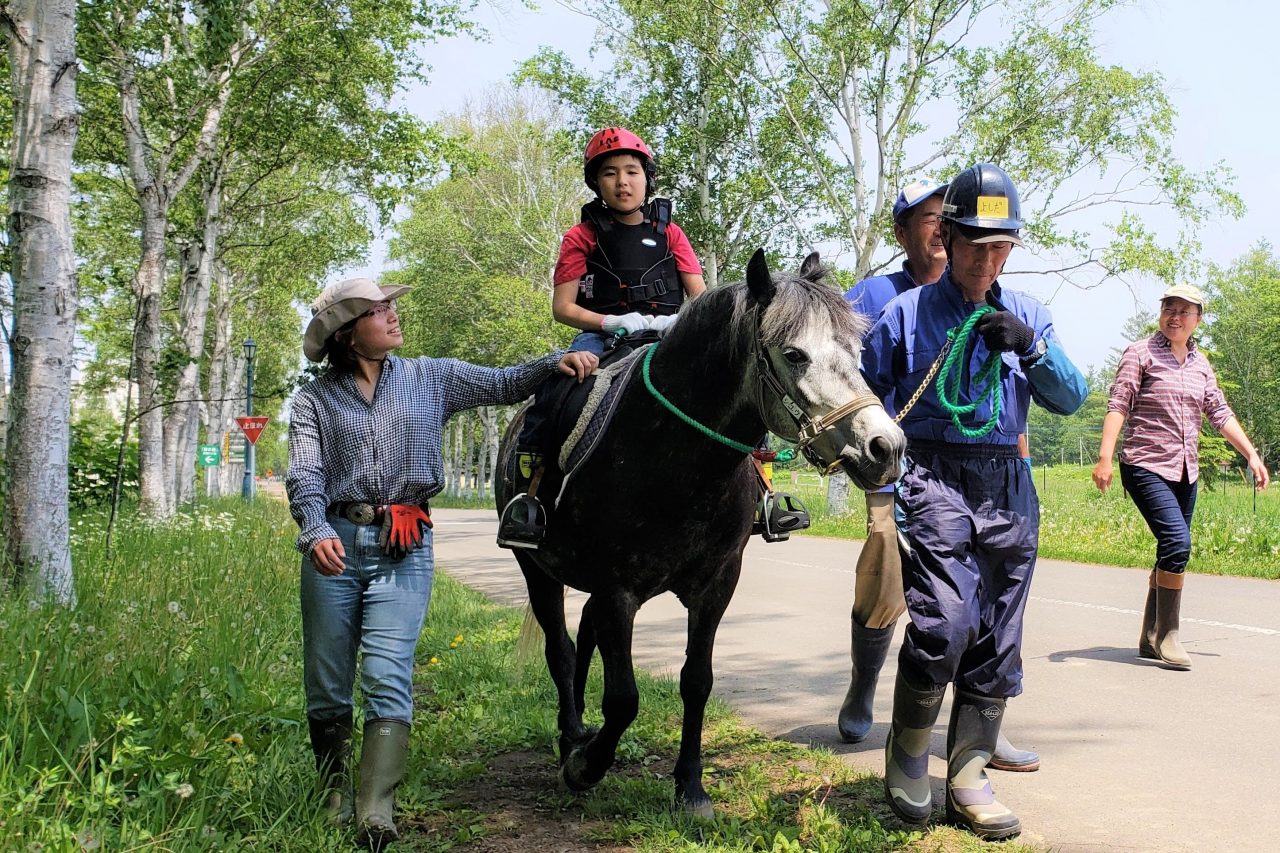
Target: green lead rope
x,y
986,383
671,407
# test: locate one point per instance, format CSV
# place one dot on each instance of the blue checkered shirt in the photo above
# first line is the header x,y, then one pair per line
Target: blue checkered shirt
x,y
344,448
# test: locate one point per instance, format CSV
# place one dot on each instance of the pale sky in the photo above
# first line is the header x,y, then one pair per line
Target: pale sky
x,y
1213,57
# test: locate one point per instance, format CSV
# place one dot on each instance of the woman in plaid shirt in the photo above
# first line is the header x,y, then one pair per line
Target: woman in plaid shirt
x,y
1163,386
364,458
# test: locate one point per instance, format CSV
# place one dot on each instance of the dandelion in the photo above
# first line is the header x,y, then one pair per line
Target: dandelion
x,y
109,657
213,670
88,841
434,660
174,607
75,628
32,604
90,629
235,739
184,790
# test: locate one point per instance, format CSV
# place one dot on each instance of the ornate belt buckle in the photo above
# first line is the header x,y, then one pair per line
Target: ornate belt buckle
x,y
360,513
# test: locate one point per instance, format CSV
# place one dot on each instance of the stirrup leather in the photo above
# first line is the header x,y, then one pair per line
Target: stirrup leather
x,y
778,515
523,524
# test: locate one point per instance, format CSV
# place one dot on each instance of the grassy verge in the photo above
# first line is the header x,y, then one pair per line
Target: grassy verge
x,y
1229,536
165,713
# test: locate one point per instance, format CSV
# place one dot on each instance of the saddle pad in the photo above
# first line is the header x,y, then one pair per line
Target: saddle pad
x,y
596,415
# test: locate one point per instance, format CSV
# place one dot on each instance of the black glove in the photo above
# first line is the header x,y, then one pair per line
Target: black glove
x,y
1003,332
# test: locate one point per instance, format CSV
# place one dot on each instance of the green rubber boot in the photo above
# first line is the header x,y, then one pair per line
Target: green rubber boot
x,y
906,753
331,743
382,759
971,739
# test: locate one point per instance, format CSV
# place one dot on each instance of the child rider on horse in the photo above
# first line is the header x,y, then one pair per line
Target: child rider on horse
x,y
624,268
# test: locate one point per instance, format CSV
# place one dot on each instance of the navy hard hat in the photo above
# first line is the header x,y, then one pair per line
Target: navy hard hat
x,y
914,193
984,202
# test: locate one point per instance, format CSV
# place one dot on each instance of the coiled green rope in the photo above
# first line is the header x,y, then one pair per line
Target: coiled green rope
x,y
986,382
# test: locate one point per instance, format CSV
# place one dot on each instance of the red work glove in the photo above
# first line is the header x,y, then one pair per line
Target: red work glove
x,y
402,529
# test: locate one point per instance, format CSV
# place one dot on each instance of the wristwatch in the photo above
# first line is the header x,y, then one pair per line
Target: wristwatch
x,y
1038,350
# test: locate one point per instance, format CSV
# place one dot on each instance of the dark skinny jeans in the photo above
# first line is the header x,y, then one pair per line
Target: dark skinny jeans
x,y
1167,506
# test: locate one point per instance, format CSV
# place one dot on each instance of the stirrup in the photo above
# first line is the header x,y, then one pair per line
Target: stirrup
x,y
778,515
523,523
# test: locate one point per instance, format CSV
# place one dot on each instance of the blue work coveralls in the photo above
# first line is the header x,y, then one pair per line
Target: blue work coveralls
x,y
971,517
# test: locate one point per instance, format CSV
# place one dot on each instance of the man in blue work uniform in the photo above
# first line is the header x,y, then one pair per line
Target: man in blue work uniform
x,y
878,599
970,515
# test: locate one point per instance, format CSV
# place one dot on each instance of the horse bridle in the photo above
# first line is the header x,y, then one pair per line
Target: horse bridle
x,y
809,429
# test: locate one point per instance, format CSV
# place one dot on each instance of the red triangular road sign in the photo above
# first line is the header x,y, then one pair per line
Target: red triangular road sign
x,y
252,427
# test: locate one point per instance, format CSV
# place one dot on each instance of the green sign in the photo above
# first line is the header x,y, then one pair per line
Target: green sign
x,y
209,455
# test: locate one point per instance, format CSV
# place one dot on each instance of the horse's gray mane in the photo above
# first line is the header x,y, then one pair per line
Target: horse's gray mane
x,y
798,301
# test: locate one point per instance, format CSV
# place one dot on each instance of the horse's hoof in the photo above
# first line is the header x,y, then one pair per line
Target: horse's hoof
x,y
571,771
699,808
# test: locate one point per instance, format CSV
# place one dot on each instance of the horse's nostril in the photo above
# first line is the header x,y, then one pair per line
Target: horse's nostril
x,y
880,449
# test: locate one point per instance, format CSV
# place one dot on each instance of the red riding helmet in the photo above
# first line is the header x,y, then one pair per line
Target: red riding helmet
x,y
618,140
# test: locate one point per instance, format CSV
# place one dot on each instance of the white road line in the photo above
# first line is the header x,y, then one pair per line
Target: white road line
x,y
1212,623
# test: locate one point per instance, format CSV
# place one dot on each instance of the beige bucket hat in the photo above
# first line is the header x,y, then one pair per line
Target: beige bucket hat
x,y
339,304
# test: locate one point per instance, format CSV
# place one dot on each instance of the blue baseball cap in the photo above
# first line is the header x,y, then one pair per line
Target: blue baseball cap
x,y
914,193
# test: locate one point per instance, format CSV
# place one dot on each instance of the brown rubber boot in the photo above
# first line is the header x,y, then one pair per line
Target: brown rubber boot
x,y
1168,604
382,760
1147,639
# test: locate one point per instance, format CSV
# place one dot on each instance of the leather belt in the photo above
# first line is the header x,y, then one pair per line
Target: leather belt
x,y
359,512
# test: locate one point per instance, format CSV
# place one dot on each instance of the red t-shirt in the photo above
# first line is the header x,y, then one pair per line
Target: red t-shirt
x,y
580,241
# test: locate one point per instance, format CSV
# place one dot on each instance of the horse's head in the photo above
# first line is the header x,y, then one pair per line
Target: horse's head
x,y
810,390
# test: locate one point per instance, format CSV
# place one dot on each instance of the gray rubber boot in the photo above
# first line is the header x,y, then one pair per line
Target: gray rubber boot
x,y
382,760
906,753
1168,604
971,738
1010,759
331,743
1147,639
868,649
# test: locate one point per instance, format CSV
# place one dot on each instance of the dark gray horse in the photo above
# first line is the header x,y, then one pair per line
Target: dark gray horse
x,y
661,506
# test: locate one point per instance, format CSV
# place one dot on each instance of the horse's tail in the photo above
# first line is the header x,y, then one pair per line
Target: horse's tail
x,y
531,642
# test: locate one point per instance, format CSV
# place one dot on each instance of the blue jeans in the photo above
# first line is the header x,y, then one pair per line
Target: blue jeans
x,y
1167,507
592,342
375,606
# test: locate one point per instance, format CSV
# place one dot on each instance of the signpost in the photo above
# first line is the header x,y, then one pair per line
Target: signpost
x,y
209,455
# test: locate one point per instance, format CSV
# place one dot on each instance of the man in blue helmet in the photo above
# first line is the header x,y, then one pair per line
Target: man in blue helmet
x,y
878,598
970,515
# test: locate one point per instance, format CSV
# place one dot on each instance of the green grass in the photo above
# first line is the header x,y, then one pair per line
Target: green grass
x,y
1078,523
165,713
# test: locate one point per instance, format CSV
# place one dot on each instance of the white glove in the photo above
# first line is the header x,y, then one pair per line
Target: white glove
x,y
661,324
628,323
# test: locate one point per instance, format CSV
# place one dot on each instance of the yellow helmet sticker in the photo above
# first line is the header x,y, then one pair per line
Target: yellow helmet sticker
x,y
993,207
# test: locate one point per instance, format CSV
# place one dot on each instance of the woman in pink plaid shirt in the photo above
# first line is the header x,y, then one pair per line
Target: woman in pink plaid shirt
x,y
1162,387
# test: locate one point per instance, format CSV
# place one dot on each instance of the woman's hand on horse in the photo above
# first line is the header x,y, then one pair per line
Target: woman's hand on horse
x,y
327,557
1102,474
579,364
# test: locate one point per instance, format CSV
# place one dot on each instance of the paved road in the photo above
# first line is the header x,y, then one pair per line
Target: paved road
x,y
1135,758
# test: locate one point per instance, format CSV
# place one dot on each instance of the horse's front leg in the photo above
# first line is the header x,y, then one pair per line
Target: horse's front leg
x,y
546,598
612,619
696,678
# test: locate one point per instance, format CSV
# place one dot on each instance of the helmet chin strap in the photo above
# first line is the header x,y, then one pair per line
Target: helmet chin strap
x,y
617,212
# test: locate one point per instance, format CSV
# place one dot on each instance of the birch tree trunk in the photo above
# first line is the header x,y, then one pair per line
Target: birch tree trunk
x,y
182,425
468,454
215,425
42,60
157,180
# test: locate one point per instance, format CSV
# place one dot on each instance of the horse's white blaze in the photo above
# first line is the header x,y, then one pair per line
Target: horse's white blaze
x,y
831,378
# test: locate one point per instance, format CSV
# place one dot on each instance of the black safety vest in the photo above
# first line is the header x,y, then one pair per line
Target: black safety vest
x,y
631,267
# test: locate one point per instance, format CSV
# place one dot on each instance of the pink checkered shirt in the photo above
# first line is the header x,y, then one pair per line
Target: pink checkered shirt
x,y
1162,402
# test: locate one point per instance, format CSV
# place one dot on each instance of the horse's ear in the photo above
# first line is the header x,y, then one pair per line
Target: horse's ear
x,y
759,281
812,268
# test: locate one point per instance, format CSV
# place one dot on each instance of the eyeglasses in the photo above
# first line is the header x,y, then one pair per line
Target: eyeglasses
x,y
1181,314
381,309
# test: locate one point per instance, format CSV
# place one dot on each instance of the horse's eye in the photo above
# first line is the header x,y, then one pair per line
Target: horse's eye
x,y
795,356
